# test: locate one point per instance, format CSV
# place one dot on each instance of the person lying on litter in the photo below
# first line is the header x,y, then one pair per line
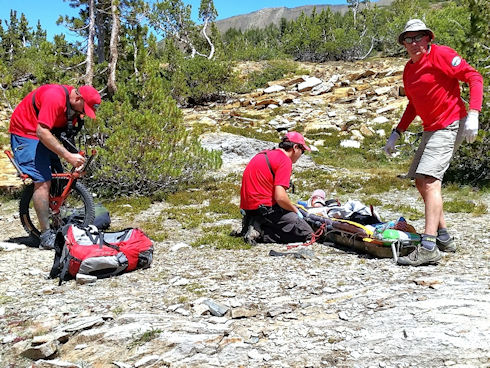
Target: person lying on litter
x,y
317,199
352,210
269,214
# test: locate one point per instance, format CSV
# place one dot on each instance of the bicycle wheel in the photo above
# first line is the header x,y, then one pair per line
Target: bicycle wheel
x,y
78,208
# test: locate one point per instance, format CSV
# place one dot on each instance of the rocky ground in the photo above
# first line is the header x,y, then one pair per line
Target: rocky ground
x,y
201,307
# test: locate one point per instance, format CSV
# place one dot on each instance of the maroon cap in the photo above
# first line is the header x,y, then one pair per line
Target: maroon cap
x,y
297,138
92,100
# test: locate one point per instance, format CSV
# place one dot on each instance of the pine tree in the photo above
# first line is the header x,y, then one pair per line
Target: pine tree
x,y
147,149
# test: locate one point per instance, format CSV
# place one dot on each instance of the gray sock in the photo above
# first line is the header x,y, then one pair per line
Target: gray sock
x,y
443,235
428,241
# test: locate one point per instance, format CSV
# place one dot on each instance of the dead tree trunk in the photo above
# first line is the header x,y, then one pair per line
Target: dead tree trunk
x,y
211,45
111,81
89,73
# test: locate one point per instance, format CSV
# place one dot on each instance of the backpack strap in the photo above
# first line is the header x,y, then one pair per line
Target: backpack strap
x,y
34,104
99,239
69,127
291,184
65,261
269,164
64,271
109,244
124,233
67,98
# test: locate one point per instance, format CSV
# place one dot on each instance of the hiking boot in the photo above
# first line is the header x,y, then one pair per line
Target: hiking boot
x,y
236,233
447,246
47,240
245,222
251,236
421,256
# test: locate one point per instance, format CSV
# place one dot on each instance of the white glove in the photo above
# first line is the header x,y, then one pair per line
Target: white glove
x,y
389,148
300,215
471,126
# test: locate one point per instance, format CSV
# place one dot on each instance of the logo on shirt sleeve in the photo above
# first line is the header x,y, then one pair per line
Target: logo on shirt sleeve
x,y
456,61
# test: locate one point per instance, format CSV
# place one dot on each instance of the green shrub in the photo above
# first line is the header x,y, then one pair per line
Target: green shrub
x,y
274,69
198,80
145,146
471,163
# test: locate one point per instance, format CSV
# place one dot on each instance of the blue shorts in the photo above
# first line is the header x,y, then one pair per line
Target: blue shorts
x,y
34,158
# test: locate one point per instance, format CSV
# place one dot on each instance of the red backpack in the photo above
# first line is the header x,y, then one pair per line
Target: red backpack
x,y
103,254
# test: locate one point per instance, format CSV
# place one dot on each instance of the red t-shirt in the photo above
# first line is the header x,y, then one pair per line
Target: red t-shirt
x,y
432,88
258,183
51,103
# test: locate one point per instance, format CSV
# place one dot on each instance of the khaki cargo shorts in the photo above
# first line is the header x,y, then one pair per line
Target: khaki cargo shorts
x,y
436,150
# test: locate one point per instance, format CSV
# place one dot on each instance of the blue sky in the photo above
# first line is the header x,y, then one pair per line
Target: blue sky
x,y
48,11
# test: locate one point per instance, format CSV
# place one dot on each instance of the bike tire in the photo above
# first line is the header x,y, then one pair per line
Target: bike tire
x,y
78,208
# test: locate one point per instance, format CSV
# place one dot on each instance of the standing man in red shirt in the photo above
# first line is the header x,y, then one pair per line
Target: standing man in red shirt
x,y
431,80
35,147
269,214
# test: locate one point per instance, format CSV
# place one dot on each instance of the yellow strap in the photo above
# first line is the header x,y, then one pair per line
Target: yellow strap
x,y
300,206
368,232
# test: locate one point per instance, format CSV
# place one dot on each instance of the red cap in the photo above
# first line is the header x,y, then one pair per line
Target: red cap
x,y
92,100
297,138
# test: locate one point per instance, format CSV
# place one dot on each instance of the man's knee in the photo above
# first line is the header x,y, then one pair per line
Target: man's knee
x,y
296,225
425,183
42,187
304,228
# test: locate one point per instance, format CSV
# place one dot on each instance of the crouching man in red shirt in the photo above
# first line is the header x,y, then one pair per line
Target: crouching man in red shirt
x,y
269,214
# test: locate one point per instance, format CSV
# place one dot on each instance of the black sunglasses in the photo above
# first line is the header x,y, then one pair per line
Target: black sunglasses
x,y
416,38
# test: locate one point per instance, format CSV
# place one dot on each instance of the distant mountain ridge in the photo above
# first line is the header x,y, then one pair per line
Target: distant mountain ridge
x,y
262,18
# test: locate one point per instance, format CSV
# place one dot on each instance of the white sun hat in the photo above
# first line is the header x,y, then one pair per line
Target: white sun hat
x,y
414,25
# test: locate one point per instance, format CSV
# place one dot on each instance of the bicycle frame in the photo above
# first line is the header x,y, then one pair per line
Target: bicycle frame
x,y
56,202
20,174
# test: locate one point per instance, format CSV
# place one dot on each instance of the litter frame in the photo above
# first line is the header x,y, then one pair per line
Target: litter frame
x,y
349,240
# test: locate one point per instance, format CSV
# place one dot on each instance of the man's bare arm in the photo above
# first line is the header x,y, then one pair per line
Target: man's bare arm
x,y
282,199
49,140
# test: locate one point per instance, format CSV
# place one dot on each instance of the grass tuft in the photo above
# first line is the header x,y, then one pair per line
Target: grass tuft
x,y
4,299
465,206
144,338
219,238
127,206
196,289
406,211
